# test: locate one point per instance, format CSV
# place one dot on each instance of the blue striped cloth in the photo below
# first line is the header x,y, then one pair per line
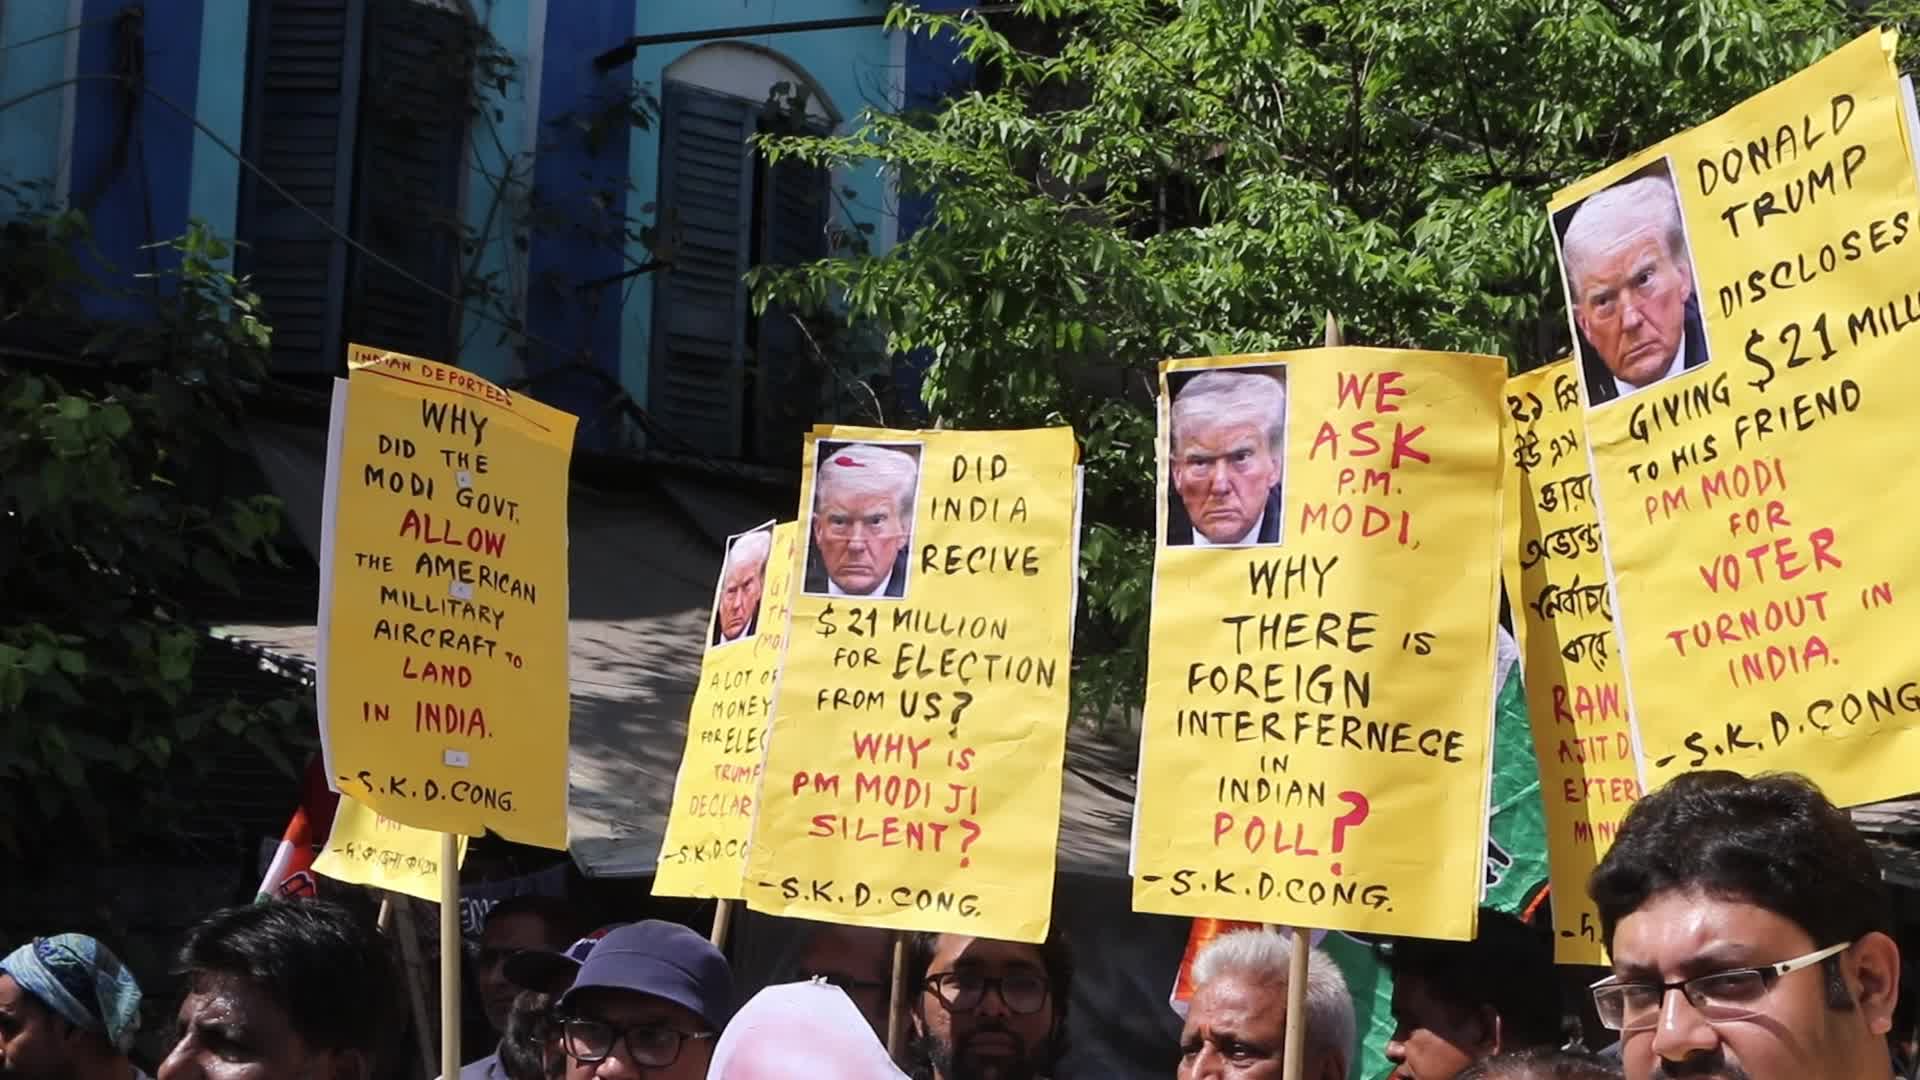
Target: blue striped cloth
x,y
82,981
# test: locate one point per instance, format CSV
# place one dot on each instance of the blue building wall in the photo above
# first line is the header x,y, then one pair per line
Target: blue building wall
x,y
142,169
854,69
934,70
220,105
132,152
501,159
580,332
33,61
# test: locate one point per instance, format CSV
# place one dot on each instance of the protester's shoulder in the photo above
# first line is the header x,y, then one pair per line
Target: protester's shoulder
x,y
487,1068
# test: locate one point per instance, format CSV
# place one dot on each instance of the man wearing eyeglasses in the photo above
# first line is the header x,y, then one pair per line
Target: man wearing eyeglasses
x,y
1749,931
858,960
649,1002
517,924
988,1009
1459,1002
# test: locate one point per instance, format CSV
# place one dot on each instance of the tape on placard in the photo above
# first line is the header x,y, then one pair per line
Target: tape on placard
x,y
455,758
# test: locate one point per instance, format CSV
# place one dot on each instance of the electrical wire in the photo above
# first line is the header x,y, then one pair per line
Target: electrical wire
x,y
647,421
63,32
318,218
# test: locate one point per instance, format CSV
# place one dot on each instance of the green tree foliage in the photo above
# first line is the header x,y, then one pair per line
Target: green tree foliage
x,y
1128,180
114,524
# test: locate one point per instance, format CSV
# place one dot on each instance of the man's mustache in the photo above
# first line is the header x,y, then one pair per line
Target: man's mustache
x,y
1019,1044
1714,1065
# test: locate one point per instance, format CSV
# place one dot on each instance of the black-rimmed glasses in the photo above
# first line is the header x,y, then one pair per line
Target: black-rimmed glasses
x,y
1721,996
651,1046
1024,992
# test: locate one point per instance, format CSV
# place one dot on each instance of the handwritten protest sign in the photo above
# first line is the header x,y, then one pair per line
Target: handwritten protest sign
x,y
705,849
1561,604
443,620
1745,310
914,762
364,848
1320,668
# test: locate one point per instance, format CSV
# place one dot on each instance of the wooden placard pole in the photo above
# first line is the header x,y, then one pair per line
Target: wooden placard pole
x,y
1296,1055
722,917
897,1001
1293,1061
411,963
449,956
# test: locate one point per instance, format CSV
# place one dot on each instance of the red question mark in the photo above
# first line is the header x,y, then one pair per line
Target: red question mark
x,y
973,833
1347,821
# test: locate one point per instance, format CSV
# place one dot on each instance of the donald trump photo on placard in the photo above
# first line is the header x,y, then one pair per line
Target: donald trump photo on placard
x,y
1226,456
861,528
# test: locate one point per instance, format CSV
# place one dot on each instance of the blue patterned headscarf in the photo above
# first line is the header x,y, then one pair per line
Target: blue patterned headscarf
x,y
82,981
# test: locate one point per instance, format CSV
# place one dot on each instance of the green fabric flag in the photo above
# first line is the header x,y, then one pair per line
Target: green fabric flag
x,y
1516,865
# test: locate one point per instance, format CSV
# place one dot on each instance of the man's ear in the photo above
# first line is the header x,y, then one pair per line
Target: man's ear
x,y
1493,1034
1876,978
350,1065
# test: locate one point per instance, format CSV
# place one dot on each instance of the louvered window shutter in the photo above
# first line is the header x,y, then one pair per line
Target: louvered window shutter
x,y
303,97
697,362
413,124
786,374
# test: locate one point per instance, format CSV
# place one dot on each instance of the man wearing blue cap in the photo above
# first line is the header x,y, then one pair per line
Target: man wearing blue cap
x,y
68,1011
648,1003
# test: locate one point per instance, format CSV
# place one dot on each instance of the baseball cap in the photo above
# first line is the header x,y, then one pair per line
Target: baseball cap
x,y
552,972
664,959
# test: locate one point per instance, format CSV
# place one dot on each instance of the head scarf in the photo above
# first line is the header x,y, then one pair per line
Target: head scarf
x,y
81,981
800,1029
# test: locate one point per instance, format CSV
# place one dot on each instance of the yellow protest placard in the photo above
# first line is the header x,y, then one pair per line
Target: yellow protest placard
x,y
366,849
1744,305
914,763
443,621
704,852
1320,665
1563,618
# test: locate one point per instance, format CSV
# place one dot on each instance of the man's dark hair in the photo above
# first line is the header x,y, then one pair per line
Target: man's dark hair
x,y
1056,958
1773,841
523,1047
562,920
327,970
1541,1063
1506,968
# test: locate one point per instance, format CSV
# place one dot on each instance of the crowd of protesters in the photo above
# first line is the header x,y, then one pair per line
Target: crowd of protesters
x,y
1750,933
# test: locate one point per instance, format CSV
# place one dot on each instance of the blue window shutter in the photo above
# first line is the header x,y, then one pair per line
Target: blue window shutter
x,y
697,362
786,374
303,97
413,126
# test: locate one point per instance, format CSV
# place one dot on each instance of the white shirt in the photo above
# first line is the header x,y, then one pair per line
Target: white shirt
x,y
1673,368
1252,537
834,589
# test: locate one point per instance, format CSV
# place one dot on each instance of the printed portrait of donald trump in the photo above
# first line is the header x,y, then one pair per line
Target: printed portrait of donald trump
x,y
862,522
1631,286
1226,457
743,578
